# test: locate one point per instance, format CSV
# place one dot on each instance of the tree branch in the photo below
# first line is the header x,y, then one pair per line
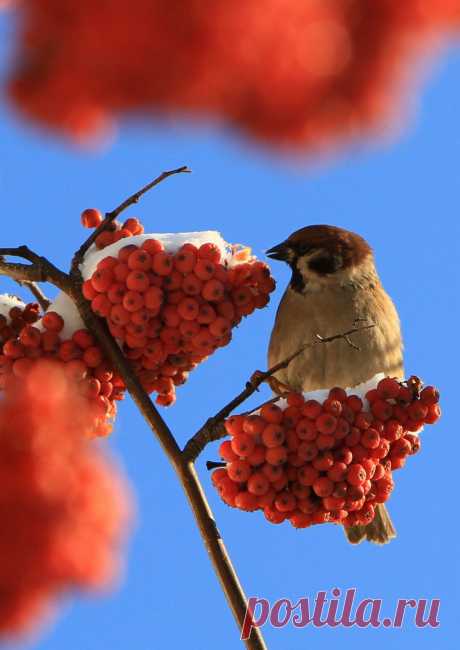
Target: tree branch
x,y
213,428
111,216
182,465
40,269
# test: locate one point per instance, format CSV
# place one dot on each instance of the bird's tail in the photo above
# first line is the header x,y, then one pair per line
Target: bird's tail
x,y
379,531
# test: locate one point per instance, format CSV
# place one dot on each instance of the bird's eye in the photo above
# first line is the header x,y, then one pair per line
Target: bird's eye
x,y
326,264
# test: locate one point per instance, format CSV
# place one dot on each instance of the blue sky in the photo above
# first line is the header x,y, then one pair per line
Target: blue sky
x,y
403,197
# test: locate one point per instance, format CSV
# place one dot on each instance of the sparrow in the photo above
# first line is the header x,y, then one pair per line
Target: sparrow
x,y
334,284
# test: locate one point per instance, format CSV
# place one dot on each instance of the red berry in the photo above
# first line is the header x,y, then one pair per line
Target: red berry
x,y
257,456
392,430
246,501
209,251
342,430
381,409
162,263
388,388
417,411
338,393
338,472
311,409
355,403
243,444
185,259
323,486
234,424
324,441
433,415
429,395
306,429
307,475
285,502
152,246
271,413
13,349
191,285
213,290
363,421
102,279
307,451
134,226
332,406
138,280
276,455
92,357
272,472
53,322
133,300
253,424
273,435
326,423
188,308
91,218
30,336
370,438
356,474
258,484
239,470
323,461
101,305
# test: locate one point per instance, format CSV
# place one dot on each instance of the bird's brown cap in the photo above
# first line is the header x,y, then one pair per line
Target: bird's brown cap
x,y
338,243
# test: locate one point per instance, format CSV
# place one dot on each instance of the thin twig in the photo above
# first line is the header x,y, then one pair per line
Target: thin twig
x,y
37,293
212,428
213,464
111,216
134,198
268,401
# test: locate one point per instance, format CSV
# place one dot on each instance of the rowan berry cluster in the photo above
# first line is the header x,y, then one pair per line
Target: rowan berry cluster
x,y
170,309
64,506
26,337
333,72
313,462
92,218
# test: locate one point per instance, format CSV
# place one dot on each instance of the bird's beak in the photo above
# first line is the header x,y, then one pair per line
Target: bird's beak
x,y
280,252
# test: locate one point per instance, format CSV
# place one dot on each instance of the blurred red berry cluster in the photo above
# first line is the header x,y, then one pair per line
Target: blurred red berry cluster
x,y
64,507
313,462
171,308
295,72
25,339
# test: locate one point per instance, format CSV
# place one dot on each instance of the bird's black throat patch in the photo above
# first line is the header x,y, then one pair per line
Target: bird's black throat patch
x,y
297,280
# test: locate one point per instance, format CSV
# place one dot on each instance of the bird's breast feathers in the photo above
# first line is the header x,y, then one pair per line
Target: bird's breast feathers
x,y
332,311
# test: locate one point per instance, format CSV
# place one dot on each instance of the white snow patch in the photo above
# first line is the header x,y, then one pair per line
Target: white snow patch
x,y
7,301
360,391
64,306
171,241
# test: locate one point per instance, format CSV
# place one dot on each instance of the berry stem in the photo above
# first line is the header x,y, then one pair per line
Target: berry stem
x,y
37,293
111,216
